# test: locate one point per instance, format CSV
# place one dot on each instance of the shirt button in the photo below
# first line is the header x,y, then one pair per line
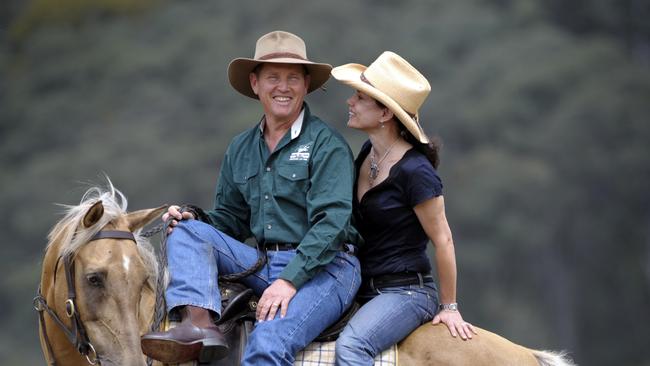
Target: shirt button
x,y
293,175
266,196
268,226
268,168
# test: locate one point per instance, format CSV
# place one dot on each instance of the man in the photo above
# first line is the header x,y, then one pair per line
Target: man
x,y
288,182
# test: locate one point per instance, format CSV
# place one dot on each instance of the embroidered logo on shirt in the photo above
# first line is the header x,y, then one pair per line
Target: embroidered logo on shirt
x,y
301,153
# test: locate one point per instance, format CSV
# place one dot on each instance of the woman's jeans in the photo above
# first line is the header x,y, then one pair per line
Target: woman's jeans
x,y
198,253
388,316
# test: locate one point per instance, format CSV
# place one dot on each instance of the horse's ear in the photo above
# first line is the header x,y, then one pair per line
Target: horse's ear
x,y
138,219
94,214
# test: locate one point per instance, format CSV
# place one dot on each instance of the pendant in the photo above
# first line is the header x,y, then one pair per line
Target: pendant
x,y
374,170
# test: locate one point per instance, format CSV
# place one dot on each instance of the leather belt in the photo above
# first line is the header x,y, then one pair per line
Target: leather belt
x,y
397,280
280,246
347,248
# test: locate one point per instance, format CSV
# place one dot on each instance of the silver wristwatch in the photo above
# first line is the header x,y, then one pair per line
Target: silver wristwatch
x,y
451,307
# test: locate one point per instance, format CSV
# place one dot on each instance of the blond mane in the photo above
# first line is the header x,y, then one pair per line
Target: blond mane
x,y
71,234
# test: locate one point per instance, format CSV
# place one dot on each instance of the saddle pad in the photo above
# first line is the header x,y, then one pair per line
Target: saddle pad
x,y
322,354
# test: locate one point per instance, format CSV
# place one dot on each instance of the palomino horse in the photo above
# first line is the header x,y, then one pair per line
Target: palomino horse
x,y
97,297
97,291
433,345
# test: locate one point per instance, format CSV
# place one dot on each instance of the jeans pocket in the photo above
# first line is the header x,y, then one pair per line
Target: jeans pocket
x,y
344,268
432,300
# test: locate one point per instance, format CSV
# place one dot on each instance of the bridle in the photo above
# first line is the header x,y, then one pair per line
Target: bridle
x,y
77,333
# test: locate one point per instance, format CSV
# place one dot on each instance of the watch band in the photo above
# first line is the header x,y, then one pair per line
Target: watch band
x,y
451,307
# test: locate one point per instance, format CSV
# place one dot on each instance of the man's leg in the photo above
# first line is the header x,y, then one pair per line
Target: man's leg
x,y
197,253
316,305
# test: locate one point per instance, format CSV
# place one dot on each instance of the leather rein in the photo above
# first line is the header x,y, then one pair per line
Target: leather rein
x,y
77,333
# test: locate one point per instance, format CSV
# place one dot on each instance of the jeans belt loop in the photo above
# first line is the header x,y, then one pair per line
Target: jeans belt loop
x,y
421,280
372,284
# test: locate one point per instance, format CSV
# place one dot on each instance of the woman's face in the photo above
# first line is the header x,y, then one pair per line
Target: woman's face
x,y
364,112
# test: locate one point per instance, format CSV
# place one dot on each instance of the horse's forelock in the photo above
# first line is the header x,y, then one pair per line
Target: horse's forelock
x,y
69,231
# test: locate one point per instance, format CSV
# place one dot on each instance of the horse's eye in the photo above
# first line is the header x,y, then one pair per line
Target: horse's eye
x,y
95,279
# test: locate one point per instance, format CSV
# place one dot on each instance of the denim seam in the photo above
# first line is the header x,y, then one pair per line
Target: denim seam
x,y
353,288
211,285
400,308
310,311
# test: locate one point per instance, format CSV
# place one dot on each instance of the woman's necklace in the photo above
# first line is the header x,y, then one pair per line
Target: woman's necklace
x,y
374,165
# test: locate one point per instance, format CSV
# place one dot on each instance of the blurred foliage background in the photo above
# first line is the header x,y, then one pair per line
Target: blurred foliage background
x,y
543,107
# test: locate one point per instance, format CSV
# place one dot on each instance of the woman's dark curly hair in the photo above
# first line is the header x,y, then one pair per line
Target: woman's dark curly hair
x,y
431,150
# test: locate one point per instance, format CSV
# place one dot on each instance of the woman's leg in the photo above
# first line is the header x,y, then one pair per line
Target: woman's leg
x,y
383,321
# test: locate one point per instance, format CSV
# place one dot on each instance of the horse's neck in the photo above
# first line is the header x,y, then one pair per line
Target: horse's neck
x,y
52,277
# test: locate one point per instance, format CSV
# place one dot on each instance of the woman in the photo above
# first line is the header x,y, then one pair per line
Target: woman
x,y
398,208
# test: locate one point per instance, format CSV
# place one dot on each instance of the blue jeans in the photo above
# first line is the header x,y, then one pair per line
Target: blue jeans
x,y
198,253
388,316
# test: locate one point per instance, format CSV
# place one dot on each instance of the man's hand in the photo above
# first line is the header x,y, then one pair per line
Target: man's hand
x,y
278,295
175,213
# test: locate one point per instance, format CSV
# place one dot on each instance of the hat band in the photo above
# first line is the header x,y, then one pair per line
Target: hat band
x,y
281,55
365,80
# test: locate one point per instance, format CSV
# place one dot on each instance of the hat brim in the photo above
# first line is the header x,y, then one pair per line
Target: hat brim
x,y
239,70
350,74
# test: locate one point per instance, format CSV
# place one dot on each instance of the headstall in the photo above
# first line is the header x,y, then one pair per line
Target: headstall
x,y
77,333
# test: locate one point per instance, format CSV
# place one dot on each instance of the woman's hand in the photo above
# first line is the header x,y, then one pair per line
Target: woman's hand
x,y
454,321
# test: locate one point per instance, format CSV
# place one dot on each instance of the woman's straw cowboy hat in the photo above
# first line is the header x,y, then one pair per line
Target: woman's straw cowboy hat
x,y
392,81
280,48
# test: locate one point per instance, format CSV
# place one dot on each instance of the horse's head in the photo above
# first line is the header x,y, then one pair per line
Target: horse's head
x,y
114,279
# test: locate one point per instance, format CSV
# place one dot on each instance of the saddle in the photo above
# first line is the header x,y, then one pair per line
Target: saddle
x,y
238,304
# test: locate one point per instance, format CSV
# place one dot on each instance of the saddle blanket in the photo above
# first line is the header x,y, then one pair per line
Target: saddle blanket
x,y
322,354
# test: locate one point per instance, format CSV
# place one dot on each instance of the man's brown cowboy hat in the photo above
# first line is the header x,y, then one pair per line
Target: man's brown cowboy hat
x,y
280,48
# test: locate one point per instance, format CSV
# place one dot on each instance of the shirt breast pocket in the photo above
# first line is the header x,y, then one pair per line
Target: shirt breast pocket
x,y
293,181
246,182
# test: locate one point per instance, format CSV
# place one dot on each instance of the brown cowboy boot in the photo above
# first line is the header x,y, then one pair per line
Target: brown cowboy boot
x,y
195,338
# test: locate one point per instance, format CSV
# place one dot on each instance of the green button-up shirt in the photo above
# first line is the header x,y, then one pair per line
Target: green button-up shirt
x,y
300,193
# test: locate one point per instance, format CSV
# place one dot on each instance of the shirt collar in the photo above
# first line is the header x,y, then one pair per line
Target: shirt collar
x,y
296,126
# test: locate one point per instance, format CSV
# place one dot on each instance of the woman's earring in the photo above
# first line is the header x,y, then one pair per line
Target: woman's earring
x,y
382,124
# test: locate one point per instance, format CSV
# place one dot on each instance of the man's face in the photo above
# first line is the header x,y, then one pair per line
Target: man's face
x,y
281,89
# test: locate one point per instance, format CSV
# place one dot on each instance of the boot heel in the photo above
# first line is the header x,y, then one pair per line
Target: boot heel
x,y
213,349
